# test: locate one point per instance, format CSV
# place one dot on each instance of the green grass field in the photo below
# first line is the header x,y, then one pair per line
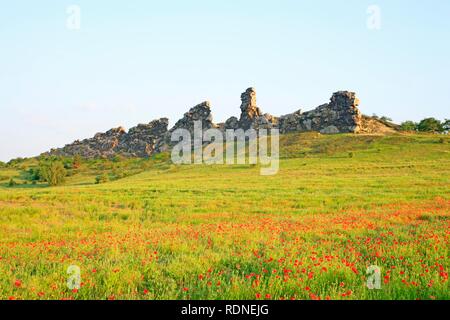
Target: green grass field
x,y
338,205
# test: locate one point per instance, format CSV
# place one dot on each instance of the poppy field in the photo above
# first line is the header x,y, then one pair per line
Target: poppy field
x,y
338,206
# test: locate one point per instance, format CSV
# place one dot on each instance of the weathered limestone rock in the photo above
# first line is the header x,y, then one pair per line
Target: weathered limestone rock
x,y
251,115
142,140
232,123
330,130
101,145
200,112
249,110
340,115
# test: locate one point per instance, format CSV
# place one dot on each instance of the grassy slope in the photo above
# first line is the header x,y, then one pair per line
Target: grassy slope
x,y
212,231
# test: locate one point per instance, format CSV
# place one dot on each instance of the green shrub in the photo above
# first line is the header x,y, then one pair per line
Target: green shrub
x,y
408,126
12,182
34,174
446,125
430,125
101,179
53,172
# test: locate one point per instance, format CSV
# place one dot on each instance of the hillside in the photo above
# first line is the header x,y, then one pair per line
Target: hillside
x,y
338,204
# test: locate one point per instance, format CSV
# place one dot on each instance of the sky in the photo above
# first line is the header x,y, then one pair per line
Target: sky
x,y
66,76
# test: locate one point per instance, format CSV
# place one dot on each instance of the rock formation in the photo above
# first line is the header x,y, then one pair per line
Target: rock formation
x,y
201,112
340,115
101,145
140,141
143,140
251,115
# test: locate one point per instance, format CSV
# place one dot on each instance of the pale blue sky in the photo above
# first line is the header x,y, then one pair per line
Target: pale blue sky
x,y
134,61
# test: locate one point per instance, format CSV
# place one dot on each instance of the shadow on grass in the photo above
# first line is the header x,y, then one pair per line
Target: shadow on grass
x,y
26,186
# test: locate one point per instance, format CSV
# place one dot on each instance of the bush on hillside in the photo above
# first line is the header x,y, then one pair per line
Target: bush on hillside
x,y
103,178
408,126
446,125
386,119
12,182
34,174
430,125
53,172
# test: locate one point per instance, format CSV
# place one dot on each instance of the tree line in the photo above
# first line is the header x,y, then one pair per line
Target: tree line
x,y
426,125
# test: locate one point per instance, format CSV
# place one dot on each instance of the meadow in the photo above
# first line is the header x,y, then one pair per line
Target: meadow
x,y
338,205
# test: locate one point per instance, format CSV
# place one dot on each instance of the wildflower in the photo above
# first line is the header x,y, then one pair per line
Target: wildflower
x,y
258,296
18,283
146,291
312,296
268,296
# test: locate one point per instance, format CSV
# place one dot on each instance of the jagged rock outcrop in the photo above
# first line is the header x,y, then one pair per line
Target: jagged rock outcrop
x,y
251,115
140,141
201,112
101,145
143,140
340,115
232,123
